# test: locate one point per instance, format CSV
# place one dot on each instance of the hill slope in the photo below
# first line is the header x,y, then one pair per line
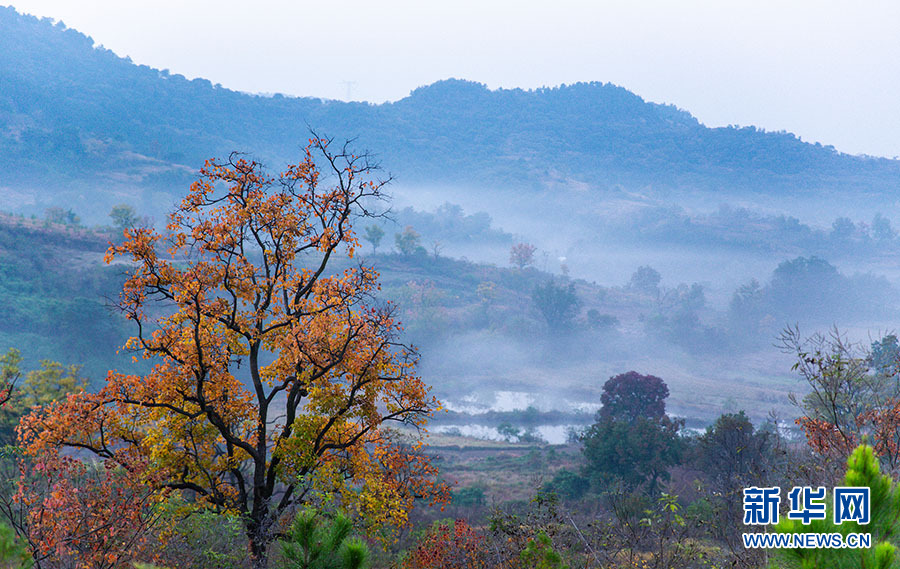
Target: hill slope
x,y
74,117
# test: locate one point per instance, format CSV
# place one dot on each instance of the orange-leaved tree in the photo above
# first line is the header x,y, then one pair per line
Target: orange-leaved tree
x,y
453,545
84,516
852,396
521,255
275,379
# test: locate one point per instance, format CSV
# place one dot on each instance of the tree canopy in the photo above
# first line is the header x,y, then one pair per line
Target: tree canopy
x,y
633,440
558,304
629,396
274,381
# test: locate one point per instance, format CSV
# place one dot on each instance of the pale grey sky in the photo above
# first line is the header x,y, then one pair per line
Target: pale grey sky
x,y
826,70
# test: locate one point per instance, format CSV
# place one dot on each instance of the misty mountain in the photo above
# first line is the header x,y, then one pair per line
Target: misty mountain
x,y
77,120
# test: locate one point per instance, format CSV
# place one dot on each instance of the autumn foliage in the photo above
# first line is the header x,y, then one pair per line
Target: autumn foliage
x,y
449,545
87,516
852,397
521,255
879,426
274,379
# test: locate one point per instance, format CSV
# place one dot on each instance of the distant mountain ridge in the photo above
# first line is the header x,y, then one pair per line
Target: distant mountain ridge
x,y
76,116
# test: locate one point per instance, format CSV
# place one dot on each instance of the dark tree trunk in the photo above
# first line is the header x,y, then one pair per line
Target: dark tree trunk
x,y
259,549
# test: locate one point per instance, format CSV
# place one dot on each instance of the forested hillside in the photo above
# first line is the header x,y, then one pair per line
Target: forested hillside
x,y
56,296
77,120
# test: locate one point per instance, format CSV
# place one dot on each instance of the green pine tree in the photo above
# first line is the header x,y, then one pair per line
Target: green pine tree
x,y
314,545
862,470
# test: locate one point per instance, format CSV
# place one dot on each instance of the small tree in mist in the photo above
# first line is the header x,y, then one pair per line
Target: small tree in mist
x,y
374,234
123,217
521,255
409,242
881,228
558,304
645,280
62,216
843,229
884,357
747,308
603,322
806,285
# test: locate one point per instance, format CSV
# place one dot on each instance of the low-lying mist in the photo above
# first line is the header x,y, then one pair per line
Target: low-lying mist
x,y
726,279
